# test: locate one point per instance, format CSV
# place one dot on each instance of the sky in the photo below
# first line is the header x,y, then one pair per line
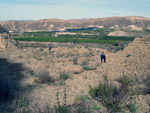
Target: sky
x,y
71,9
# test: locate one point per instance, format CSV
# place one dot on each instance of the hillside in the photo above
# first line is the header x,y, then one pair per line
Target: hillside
x,y
2,29
56,24
39,81
6,40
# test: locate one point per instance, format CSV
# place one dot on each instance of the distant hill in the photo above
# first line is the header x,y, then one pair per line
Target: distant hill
x,y
57,24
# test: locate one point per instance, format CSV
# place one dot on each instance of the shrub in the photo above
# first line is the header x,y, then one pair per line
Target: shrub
x,y
95,107
119,48
85,62
125,83
75,60
110,95
84,104
62,82
41,49
132,107
45,78
88,68
22,101
64,75
21,57
61,109
128,55
30,72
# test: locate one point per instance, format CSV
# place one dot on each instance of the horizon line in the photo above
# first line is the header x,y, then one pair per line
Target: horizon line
x,y
73,19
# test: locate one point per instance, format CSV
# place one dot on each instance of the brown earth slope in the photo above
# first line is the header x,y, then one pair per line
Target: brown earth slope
x,y
6,40
133,61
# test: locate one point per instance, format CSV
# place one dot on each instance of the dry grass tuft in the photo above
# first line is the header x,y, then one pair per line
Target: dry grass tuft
x,y
44,78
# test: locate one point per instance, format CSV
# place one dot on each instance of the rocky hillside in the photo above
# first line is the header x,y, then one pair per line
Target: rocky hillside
x,y
56,24
133,60
6,40
2,30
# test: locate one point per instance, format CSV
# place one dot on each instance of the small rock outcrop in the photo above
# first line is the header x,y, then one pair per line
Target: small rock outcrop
x,y
6,40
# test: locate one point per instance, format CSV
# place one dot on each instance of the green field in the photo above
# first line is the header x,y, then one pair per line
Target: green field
x,y
39,33
63,40
95,36
122,38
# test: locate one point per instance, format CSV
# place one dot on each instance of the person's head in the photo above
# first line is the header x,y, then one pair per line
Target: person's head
x,y
102,52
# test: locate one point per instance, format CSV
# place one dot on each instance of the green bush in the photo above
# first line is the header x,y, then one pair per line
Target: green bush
x,y
128,55
119,48
110,95
22,101
64,76
95,107
132,107
125,83
61,109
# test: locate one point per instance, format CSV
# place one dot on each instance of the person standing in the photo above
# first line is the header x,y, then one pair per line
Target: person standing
x,y
50,47
103,57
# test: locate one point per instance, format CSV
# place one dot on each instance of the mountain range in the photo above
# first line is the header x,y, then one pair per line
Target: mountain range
x,y
59,24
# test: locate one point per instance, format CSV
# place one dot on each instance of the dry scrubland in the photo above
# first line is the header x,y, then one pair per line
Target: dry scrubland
x,y
68,78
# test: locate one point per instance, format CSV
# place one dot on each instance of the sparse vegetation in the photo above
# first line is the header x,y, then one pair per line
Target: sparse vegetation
x,y
21,57
44,77
41,49
111,96
85,62
34,92
95,107
119,48
62,82
132,107
84,105
86,54
30,72
128,55
75,60
88,68
61,109
64,75
22,101
146,81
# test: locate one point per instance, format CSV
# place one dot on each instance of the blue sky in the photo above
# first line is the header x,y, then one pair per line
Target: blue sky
x,y
70,9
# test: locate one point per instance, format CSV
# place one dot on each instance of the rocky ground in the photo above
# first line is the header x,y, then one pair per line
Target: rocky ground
x,y
82,67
